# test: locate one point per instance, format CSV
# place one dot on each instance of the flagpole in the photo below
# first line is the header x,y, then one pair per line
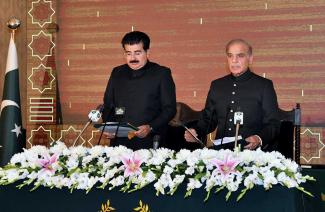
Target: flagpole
x,y
12,136
13,24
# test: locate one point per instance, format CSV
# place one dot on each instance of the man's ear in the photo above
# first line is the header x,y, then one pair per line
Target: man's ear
x,y
148,52
251,59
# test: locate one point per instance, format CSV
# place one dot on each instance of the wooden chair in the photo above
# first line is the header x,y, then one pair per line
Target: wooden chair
x,y
175,132
288,140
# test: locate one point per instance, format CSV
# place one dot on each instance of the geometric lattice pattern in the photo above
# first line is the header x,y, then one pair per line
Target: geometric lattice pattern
x,y
41,45
88,138
312,144
41,12
69,135
41,78
40,136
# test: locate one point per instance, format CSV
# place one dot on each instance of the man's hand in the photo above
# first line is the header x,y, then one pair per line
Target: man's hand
x,y
253,142
188,137
109,135
143,131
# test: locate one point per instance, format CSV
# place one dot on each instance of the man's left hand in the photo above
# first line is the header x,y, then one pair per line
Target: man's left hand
x,y
253,142
143,131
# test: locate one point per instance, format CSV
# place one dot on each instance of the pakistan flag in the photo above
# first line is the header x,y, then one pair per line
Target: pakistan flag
x,y
11,133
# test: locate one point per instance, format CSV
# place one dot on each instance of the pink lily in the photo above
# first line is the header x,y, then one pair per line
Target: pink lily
x,y
47,161
132,165
226,166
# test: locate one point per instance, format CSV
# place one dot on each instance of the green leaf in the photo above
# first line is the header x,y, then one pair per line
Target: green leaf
x,y
304,191
188,193
228,195
242,193
75,170
207,196
219,189
199,175
36,186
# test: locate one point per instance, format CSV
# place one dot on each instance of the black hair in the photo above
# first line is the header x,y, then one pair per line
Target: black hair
x,y
136,37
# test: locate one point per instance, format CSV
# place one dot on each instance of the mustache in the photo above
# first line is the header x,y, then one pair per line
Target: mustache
x,y
134,61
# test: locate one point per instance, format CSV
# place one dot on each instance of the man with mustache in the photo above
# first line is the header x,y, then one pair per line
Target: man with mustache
x,y
243,91
146,92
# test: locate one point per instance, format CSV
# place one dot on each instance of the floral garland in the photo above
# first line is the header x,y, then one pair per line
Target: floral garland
x,y
84,168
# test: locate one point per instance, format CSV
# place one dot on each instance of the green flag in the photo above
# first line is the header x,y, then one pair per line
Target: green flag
x,y
11,136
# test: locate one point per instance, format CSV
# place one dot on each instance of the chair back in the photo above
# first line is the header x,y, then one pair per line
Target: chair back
x,y
288,141
175,131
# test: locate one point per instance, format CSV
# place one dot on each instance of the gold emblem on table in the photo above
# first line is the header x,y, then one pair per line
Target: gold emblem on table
x,y
142,207
106,207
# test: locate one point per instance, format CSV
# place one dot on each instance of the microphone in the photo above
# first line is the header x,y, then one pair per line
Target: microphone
x,y
156,141
119,113
93,116
238,120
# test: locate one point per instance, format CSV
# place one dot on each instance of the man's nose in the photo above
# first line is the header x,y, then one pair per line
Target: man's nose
x,y
234,58
132,56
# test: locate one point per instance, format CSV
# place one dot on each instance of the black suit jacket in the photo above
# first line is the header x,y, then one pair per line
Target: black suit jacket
x,y
249,93
148,96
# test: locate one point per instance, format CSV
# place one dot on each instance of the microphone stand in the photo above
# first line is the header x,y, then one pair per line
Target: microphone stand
x,y
236,135
99,109
101,133
87,124
238,119
105,125
118,126
156,140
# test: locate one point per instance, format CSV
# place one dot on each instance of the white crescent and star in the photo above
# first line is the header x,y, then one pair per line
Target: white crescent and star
x,y
17,130
6,103
12,64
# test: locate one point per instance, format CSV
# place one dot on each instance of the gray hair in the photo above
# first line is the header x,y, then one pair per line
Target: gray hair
x,y
239,40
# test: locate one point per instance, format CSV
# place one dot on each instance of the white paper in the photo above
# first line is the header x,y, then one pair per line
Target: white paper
x,y
226,140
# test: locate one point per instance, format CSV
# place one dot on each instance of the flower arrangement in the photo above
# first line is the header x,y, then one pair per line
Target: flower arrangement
x,y
85,168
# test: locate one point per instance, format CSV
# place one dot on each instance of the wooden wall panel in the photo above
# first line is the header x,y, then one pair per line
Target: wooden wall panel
x,y
189,37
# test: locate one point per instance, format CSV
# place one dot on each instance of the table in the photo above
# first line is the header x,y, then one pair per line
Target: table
x,y
45,199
